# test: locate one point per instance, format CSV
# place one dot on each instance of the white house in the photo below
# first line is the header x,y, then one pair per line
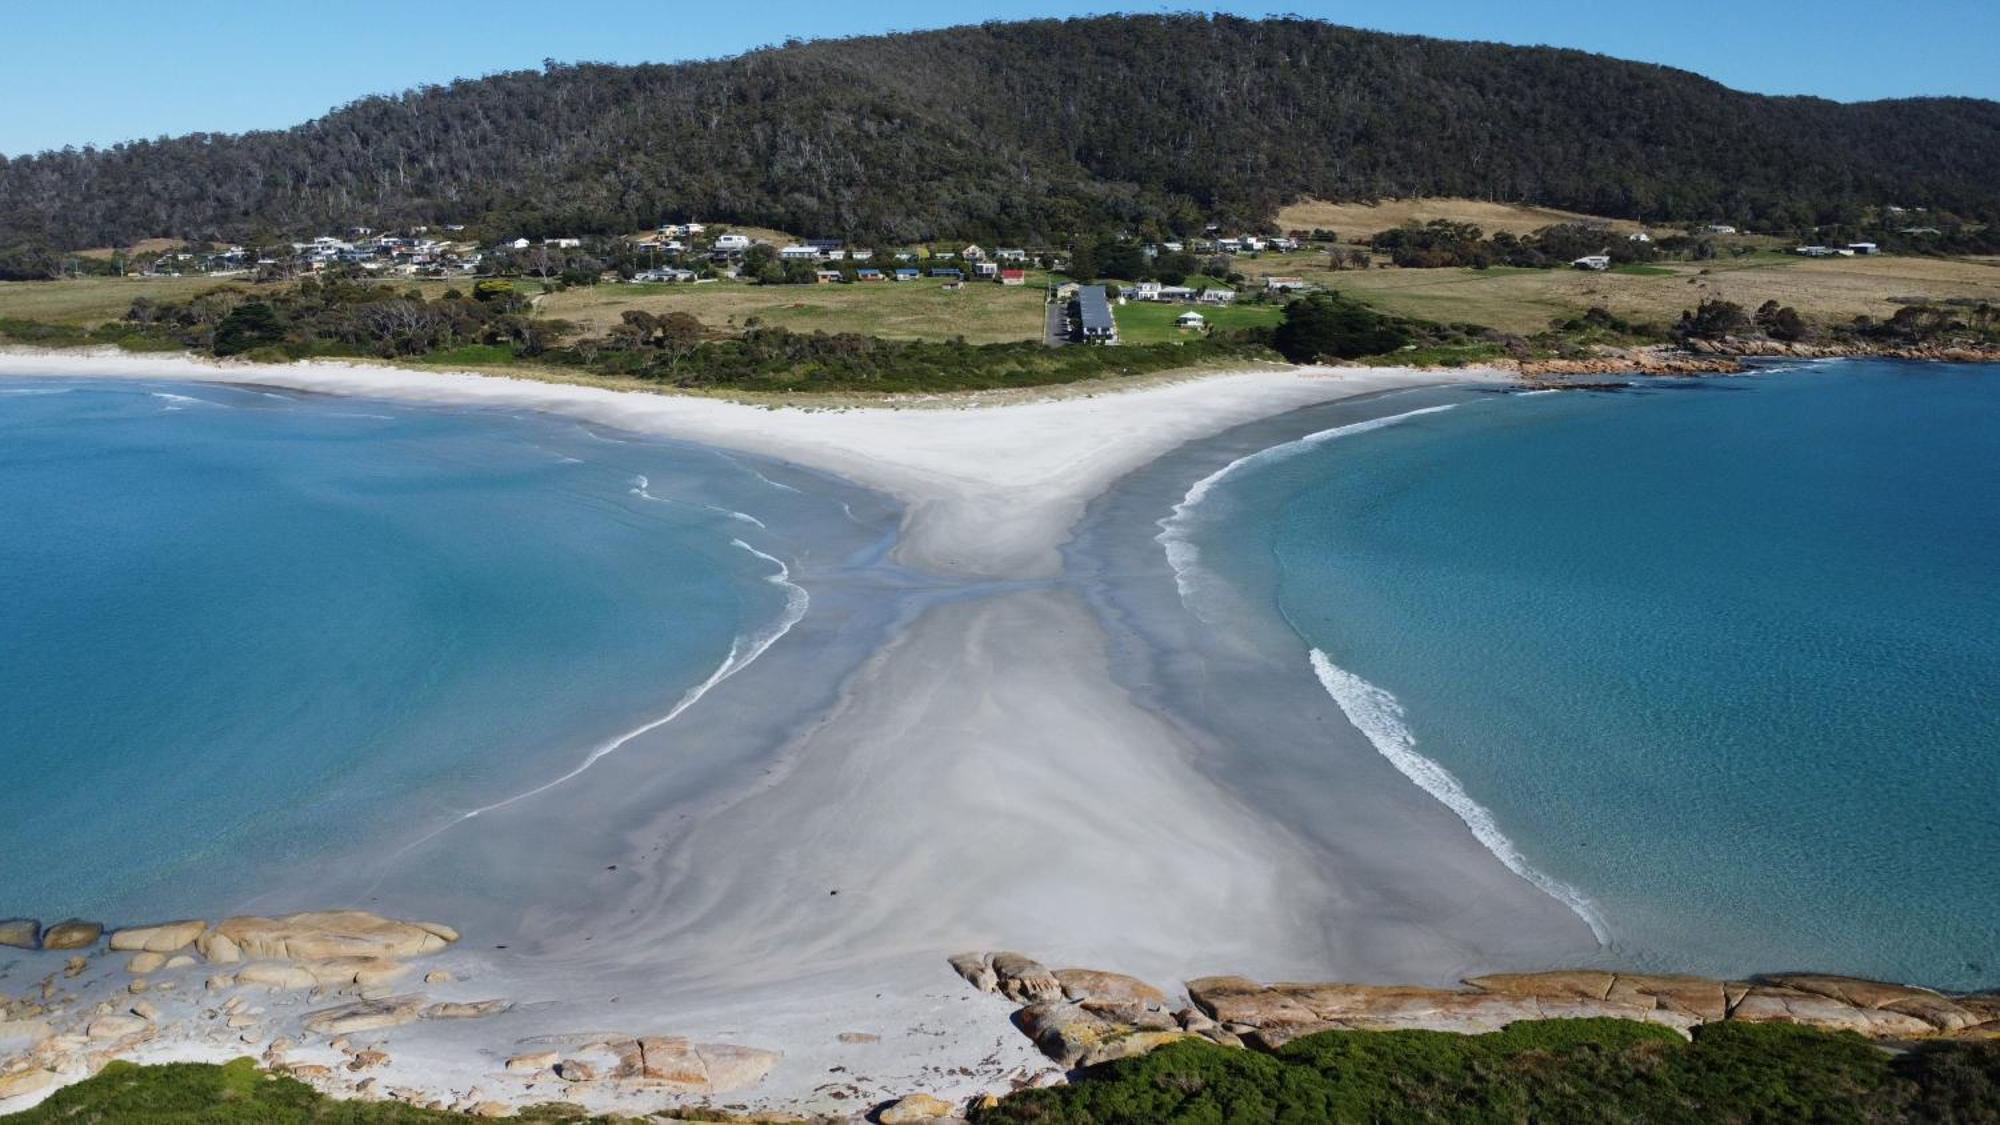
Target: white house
x,y
1011,255
1864,247
563,243
798,253
732,242
1638,236
973,253
1284,284
1598,262
1721,228
1190,319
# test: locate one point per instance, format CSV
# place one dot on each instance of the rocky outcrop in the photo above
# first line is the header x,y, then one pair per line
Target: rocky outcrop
x,y
668,1062
21,1082
1280,1012
365,1015
1023,979
72,933
1102,1016
466,1010
167,937
916,1108
21,933
322,936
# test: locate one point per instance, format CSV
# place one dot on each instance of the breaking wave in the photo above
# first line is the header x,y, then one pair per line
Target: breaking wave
x,y
1176,531
1379,715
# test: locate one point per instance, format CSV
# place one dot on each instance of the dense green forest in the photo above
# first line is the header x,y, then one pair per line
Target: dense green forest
x,y
1028,132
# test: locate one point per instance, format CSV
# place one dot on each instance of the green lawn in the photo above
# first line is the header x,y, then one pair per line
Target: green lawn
x,y
1151,322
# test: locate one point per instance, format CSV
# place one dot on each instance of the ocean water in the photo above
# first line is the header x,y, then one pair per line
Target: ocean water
x,y
241,629
1714,662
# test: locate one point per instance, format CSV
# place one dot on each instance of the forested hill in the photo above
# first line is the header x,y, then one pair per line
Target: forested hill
x,y
1026,132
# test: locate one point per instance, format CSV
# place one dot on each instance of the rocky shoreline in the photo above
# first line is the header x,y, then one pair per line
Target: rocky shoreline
x,y
1082,1017
1725,356
318,996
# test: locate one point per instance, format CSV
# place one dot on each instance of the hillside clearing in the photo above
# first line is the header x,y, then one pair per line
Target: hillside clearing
x,y
1354,221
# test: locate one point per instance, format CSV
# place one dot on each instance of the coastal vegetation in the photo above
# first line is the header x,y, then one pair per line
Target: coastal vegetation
x,y
1548,1070
1038,131
1545,1070
233,1093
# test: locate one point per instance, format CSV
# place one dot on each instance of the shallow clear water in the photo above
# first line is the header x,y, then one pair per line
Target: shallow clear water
x,y
240,628
1714,660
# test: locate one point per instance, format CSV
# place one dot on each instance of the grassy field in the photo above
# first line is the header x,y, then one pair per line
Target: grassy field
x,y
981,311
91,301
1525,300
1148,322
1357,220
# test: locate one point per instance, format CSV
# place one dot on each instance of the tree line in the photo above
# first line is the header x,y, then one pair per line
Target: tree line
x,y
1041,132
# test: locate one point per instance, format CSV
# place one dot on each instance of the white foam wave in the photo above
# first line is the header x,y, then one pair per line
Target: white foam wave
x,y
640,484
1176,536
743,651
1379,715
779,485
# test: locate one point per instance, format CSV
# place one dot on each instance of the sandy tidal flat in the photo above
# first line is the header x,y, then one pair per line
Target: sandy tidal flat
x,y
982,781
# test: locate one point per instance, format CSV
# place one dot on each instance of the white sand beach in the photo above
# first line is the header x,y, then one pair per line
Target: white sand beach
x,y
983,782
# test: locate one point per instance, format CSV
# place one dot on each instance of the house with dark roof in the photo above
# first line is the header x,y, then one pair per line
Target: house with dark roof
x,y
1090,316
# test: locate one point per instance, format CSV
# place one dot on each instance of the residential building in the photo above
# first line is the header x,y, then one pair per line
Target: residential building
x,y
798,253
1190,319
1091,318
1013,277
735,243
1598,262
973,253
907,273
1276,284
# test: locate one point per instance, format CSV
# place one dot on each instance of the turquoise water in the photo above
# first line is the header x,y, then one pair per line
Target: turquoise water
x,y
1714,661
240,629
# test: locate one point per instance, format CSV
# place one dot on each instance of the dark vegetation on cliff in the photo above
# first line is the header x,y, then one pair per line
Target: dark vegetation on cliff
x,y
1033,131
1600,1071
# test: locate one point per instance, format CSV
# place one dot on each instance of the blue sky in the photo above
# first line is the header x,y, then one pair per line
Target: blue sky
x,y
101,71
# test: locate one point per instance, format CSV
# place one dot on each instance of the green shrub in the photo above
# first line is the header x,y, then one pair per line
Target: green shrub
x,y
1599,1072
